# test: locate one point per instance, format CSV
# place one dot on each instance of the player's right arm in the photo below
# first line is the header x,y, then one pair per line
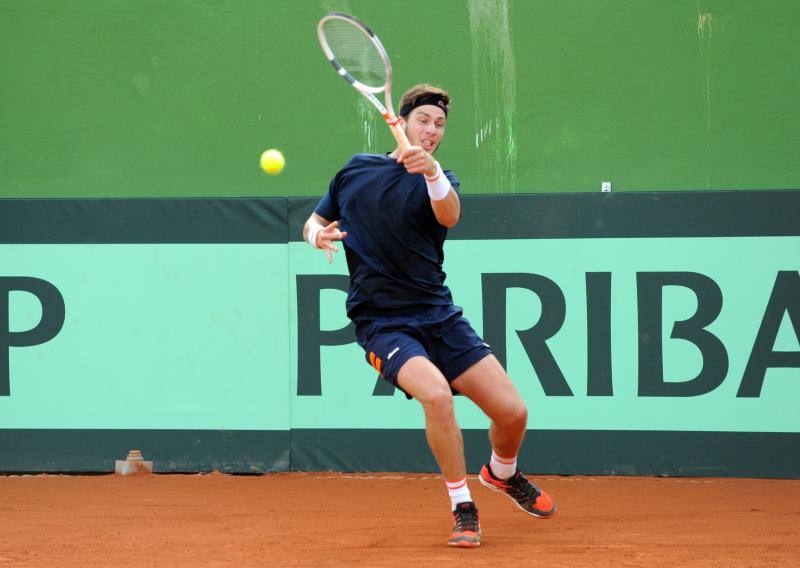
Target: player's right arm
x,y
321,233
444,200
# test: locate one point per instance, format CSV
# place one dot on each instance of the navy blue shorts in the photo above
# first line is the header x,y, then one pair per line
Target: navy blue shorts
x,y
438,333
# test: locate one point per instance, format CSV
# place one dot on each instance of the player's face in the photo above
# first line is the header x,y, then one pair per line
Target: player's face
x,y
425,127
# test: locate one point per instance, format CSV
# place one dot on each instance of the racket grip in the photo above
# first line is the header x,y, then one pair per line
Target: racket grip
x,y
399,135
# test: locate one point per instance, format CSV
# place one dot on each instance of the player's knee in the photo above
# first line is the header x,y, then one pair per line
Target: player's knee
x,y
438,405
514,418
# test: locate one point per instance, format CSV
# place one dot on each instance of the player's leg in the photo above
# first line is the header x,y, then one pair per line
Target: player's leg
x,y
469,365
421,379
395,351
488,385
472,369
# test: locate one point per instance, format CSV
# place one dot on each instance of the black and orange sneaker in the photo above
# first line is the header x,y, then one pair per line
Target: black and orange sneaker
x,y
467,530
525,494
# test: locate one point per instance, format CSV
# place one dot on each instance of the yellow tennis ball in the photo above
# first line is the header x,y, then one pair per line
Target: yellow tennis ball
x,y
272,161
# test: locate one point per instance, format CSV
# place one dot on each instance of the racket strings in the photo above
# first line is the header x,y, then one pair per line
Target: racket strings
x,y
355,52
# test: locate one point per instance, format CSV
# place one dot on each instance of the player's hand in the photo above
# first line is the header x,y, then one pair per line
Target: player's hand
x,y
327,237
417,161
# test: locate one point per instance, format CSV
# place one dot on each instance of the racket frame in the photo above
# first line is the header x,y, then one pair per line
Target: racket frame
x,y
384,108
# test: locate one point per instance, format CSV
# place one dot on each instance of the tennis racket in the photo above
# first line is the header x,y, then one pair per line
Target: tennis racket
x,y
359,57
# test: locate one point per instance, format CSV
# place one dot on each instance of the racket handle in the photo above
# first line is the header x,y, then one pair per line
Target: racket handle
x,y
400,135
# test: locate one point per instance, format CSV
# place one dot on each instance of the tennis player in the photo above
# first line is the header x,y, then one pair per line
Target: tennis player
x,y
392,212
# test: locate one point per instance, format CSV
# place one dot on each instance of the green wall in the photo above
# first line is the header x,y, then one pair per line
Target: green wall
x,y
178,98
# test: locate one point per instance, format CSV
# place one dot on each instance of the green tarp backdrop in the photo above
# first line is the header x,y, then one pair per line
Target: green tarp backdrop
x,y
178,98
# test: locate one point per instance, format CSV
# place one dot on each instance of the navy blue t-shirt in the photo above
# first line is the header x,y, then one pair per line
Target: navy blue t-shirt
x,y
394,242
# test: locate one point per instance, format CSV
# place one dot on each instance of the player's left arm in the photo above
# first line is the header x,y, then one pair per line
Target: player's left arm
x,y
321,233
444,199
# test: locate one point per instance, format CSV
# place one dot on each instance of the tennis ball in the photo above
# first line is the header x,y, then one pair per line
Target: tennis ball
x,y
272,161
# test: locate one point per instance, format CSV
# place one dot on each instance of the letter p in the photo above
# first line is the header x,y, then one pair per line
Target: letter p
x,y
48,327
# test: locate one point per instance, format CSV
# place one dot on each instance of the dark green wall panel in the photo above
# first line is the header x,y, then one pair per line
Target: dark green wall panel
x,y
560,452
521,216
172,451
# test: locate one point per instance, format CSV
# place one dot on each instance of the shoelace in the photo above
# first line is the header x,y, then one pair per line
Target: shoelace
x,y
521,488
466,520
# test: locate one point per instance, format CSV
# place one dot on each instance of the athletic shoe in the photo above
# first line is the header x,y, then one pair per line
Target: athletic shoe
x,y
467,529
525,494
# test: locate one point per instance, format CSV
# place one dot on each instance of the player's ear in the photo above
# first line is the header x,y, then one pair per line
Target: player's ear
x,y
401,121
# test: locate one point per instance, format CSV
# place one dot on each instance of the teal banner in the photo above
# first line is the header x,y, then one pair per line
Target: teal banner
x,y
689,333
170,336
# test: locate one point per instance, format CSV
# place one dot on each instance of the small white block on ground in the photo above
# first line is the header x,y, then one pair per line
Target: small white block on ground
x,y
133,464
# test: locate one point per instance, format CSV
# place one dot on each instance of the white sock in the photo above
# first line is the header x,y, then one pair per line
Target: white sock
x,y
459,492
501,467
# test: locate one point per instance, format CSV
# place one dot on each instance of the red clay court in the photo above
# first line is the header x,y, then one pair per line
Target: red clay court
x,y
324,519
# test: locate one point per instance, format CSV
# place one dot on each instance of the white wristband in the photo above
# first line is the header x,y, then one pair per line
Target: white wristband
x,y
438,185
313,231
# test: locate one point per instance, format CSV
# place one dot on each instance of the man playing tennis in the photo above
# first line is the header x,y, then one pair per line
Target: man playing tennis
x,y
392,212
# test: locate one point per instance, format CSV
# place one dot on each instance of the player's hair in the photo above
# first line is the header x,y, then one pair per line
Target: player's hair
x,y
423,91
